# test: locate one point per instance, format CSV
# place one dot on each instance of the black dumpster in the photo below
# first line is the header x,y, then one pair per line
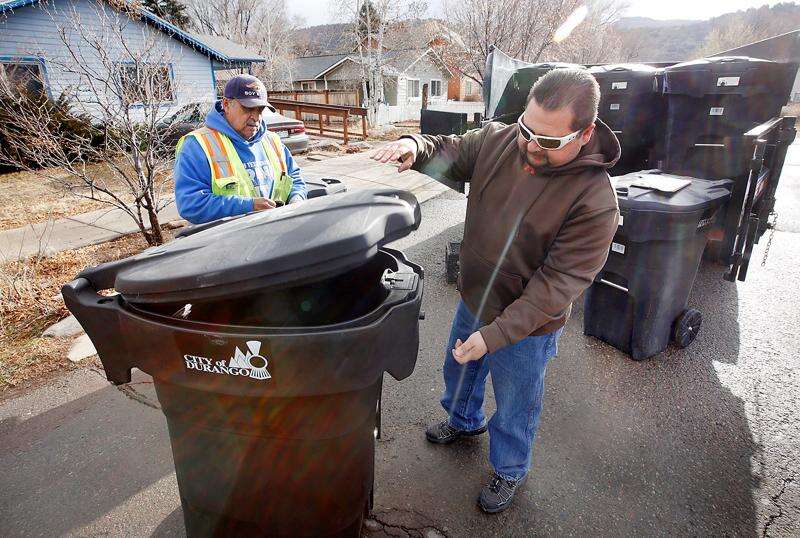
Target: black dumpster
x,y
632,105
267,337
638,301
512,101
712,103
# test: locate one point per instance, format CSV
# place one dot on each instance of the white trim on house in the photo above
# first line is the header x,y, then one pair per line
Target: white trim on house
x,y
412,64
442,66
409,96
334,66
441,88
312,85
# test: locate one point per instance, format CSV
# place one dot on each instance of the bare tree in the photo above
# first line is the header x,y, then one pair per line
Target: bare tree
x,y
594,40
733,34
370,20
525,30
263,26
121,80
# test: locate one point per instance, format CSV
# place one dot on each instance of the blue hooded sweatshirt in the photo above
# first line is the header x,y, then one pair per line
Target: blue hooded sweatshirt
x,y
192,172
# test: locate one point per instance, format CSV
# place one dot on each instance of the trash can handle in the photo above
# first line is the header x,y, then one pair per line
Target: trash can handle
x,y
407,197
98,315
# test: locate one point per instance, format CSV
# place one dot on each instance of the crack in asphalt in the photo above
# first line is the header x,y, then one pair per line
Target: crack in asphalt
x,y
131,393
786,481
421,531
128,390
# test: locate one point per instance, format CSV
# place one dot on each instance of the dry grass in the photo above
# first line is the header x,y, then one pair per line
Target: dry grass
x,y
392,133
26,198
30,302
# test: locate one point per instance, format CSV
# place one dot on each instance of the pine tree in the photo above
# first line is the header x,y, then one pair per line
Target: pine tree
x,y
369,20
170,10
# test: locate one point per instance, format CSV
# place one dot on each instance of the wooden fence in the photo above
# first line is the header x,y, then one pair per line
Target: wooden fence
x,y
322,114
328,97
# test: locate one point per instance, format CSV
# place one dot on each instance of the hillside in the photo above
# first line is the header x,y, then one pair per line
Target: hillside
x,y
643,39
674,40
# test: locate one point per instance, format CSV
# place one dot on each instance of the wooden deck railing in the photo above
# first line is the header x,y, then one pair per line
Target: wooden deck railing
x,y
323,112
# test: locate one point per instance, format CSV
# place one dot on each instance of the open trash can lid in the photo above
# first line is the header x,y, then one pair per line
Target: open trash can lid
x,y
290,245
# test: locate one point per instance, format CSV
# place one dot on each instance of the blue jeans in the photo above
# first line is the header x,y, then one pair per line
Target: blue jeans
x,y
518,380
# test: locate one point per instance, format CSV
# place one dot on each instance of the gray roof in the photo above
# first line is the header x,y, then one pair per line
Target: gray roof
x,y
310,67
234,51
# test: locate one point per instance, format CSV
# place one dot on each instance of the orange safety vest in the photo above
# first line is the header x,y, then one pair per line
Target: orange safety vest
x,y
229,177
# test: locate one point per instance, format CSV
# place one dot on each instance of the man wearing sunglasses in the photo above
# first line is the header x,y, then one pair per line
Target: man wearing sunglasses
x,y
541,214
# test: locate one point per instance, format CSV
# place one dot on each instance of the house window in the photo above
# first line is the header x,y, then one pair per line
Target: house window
x,y
436,88
468,87
146,83
412,88
305,86
26,75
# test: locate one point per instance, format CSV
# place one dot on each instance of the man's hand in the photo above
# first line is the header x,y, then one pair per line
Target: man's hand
x,y
471,350
260,204
404,151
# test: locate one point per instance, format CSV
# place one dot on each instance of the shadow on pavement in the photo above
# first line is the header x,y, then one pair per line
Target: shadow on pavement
x,y
658,447
68,466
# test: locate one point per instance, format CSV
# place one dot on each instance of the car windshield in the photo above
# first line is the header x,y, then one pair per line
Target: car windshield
x,y
192,113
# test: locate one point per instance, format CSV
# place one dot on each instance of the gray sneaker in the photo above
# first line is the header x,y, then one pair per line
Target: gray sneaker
x,y
442,433
497,495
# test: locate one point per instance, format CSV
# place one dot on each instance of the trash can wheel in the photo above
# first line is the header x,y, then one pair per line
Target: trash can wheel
x,y
687,325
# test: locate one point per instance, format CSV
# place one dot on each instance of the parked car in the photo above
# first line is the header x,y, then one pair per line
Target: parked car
x,y
190,117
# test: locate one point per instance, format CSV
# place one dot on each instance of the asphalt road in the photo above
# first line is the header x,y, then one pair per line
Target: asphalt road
x,y
695,442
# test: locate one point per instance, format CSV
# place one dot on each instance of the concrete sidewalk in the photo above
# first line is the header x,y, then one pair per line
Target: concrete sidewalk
x,y
356,171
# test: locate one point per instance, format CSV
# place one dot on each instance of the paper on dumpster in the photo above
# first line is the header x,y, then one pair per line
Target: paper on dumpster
x,y
661,183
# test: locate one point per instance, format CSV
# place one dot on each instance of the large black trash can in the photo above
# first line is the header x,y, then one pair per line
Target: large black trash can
x,y
267,338
632,105
512,101
711,103
638,301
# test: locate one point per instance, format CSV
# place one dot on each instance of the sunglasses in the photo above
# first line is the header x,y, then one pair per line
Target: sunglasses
x,y
549,143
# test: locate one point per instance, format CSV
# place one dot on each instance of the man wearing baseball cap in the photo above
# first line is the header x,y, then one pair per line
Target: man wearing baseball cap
x,y
234,164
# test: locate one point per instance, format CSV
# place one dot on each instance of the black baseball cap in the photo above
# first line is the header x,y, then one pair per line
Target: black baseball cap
x,y
248,90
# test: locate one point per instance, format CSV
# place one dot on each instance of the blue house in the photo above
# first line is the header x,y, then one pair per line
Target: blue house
x,y
52,44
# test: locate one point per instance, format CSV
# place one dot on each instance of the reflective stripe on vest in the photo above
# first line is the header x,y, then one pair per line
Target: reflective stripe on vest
x,y
229,177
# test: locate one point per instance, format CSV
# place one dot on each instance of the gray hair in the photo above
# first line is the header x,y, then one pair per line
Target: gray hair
x,y
572,87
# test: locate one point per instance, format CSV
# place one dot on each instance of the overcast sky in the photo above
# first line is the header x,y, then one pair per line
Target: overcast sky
x,y
319,11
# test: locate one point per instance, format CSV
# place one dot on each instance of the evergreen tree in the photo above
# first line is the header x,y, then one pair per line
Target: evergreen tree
x,y
369,20
170,10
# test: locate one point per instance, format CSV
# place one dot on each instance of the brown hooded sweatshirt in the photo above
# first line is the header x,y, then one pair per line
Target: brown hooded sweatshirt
x,y
532,242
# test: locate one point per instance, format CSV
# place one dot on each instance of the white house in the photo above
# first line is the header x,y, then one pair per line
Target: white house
x,y
405,73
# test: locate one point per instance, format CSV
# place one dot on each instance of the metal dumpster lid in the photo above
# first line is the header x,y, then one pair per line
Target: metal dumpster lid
x,y
289,245
629,68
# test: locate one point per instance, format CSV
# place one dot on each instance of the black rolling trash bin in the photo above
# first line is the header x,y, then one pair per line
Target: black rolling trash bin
x,y
632,105
711,103
638,301
267,337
